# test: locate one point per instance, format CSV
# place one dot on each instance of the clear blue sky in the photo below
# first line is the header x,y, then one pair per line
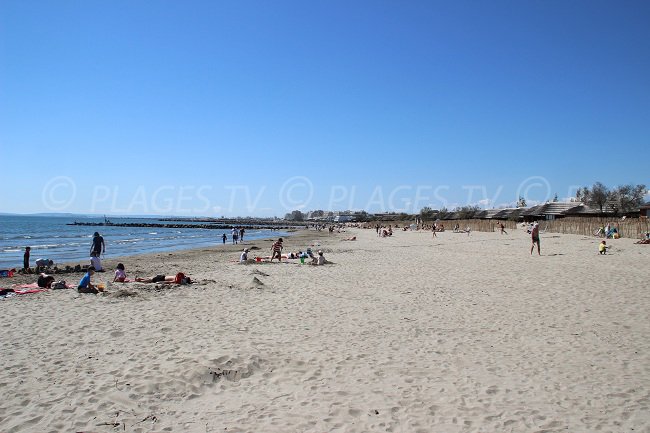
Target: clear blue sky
x,y
261,107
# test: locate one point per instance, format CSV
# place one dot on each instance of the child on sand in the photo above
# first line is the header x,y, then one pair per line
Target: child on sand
x,y
320,260
85,286
96,262
120,274
43,263
602,247
276,250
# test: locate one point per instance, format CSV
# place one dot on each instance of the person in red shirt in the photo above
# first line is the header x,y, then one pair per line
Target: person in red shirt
x,y
276,250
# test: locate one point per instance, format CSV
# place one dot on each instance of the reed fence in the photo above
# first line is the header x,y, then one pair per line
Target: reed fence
x,y
630,227
586,226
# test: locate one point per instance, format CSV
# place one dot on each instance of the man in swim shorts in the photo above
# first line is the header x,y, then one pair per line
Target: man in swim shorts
x,y
535,238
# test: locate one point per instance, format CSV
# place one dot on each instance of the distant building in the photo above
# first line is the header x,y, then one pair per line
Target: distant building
x,y
644,210
344,218
554,210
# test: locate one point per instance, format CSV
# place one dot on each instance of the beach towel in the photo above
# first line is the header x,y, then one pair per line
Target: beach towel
x,y
29,291
25,286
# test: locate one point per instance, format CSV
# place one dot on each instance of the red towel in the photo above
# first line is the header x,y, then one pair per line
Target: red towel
x,y
25,286
25,292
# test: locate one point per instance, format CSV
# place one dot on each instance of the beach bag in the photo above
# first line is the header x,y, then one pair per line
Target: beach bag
x,y
59,285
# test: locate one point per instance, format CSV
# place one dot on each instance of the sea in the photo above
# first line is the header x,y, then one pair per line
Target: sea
x,y
50,237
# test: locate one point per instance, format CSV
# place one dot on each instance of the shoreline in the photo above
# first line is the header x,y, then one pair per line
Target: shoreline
x,y
190,258
209,243
293,241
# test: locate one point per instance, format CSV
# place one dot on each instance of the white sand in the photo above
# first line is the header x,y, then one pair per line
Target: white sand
x,y
404,334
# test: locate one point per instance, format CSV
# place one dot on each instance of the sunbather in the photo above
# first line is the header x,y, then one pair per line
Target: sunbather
x,y
45,281
179,278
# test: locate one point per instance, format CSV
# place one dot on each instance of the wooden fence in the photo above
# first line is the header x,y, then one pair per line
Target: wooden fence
x,y
475,225
630,227
586,226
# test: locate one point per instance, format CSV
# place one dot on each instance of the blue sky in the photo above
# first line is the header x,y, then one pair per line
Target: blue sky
x,y
260,108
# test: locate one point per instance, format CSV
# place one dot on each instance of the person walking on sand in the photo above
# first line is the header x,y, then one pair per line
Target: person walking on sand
x,y
433,231
534,233
276,250
235,235
503,229
224,238
98,245
241,234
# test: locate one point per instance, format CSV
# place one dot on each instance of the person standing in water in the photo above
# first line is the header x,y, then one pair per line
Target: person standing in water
x,y
26,258
98,246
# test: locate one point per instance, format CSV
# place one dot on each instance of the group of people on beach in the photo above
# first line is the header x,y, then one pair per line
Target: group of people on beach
x,y
86,284
40,263
237,235
98,247
276,253
383,231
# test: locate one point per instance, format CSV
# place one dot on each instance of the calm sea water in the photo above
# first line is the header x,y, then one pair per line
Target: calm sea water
x,y
51,238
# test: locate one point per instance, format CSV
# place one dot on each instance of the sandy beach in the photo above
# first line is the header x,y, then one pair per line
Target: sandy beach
x,y
403,334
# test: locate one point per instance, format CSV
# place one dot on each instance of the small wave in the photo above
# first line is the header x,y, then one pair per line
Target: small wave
x,y
153,233
47,246
11,251
126,241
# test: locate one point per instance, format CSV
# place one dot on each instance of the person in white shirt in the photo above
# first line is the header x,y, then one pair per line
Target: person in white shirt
x,y
96,262
41,263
